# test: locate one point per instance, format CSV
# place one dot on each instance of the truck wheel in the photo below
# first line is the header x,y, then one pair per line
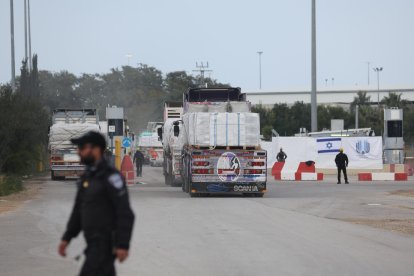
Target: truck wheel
x,y
194,194
52,175
167,179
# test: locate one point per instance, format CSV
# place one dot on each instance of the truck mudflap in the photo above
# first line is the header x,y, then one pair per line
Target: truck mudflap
x,y
228,187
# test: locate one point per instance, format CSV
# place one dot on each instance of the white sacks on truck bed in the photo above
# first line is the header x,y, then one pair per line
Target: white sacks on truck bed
x,y
222,129
60,134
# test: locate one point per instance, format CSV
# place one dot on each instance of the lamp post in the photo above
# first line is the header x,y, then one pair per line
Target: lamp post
x,y
314,106
378,70
13,67
369,67
260,69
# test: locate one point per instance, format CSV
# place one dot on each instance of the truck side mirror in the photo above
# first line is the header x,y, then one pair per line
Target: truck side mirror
x,y
159,131
176,130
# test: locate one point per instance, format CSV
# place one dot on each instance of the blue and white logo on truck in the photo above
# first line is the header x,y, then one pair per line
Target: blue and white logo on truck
x,y
228,167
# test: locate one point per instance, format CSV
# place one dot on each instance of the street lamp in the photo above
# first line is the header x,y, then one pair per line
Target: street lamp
x,y
314,105
378,70
260,69
369,66
13,77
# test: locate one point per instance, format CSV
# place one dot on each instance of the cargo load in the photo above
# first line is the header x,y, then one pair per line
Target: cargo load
x,y
66,125
149,140
222,129
60,134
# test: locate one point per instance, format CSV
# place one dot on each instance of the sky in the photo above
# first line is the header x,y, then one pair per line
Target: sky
x,y
94,36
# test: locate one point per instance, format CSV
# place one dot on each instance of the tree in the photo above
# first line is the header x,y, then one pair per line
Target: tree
x,y
394,100
23,130
361,99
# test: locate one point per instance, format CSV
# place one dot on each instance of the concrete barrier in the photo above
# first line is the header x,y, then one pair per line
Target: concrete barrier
x,y
290,176
380,176
127,170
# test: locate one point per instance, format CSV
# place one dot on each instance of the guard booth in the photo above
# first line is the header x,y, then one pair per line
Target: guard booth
x,y
393,136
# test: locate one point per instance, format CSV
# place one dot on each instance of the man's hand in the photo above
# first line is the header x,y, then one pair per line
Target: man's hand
x,y
121,254
62,248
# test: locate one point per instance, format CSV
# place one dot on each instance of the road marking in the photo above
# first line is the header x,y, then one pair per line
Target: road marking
x,y
374,204
141,183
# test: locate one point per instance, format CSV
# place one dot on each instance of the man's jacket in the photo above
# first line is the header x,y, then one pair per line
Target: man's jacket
x,y
341,160
102,209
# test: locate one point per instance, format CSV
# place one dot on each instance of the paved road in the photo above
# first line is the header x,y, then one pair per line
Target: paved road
x,y
294,230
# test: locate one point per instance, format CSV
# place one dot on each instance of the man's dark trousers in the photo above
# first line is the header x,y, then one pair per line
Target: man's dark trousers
x,y
139,168
343,169
100,258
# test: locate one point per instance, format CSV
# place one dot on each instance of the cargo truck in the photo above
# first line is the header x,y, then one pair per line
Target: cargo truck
x,y
172,144
221,150
150,145
68,124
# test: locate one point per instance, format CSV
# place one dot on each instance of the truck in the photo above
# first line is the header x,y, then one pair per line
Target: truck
x,y
150,145
172,143
220,139
68,124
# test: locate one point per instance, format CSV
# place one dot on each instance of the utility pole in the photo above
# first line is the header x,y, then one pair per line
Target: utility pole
x,y
357,116
25,30
13,67
314,105
202,69
369,71
378,70
30,35
260,69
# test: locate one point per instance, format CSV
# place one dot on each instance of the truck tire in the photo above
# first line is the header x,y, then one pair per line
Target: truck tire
x,y
52,175
167,179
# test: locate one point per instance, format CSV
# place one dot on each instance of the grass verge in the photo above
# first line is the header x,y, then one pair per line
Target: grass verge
x,y
10,184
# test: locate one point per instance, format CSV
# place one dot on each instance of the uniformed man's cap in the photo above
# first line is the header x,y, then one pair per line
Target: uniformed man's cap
x,y
92,137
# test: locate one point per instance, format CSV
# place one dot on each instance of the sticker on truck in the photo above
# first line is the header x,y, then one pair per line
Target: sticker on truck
x,y
228,167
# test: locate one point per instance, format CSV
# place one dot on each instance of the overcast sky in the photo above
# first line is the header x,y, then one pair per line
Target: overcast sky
x,y
95,35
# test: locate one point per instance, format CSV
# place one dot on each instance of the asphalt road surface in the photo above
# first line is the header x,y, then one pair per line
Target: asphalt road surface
x,y
296,229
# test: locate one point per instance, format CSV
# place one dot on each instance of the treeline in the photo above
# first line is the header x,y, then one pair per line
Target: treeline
x,y
287,120
25,114
141,90
23,124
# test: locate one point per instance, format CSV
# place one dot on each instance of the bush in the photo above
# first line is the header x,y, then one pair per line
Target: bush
x,y
10,184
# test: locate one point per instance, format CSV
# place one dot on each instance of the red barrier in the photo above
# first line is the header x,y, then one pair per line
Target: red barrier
x,y
401,177
364,177
277,168
127,170
304,168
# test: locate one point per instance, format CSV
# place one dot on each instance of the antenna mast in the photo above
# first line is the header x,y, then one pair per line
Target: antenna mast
x,y
202,69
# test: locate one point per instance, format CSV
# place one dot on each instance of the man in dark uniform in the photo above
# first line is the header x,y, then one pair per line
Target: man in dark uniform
x,y
341,161
101,210
281,156
139,160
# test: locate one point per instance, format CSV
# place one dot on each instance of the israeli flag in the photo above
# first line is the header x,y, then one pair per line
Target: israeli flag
x,y
328,145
